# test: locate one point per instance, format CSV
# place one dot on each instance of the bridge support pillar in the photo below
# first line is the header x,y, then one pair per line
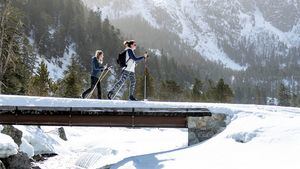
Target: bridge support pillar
x,y
203,128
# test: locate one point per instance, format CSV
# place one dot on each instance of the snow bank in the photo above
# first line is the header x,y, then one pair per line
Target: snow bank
x,y
7,146
256,137
35,141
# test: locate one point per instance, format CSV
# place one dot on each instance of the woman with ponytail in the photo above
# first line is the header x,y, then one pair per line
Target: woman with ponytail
x,y
128,71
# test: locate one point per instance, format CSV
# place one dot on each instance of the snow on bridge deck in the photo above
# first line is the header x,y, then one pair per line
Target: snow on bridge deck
x,y
79,112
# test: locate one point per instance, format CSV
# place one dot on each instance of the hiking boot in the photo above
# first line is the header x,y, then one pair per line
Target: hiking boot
x,y
109,95
132,98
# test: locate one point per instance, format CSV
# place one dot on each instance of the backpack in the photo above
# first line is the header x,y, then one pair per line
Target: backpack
x,y
121,60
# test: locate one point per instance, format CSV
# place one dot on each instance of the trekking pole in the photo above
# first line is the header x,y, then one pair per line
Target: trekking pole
x,y
118,91
105,73
145,79
90,94
101,77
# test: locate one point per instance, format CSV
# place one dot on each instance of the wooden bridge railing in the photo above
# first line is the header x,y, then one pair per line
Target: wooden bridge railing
x,y
97,116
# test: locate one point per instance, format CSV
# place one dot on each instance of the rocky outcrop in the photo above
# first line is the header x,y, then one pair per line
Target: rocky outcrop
x,y
62,133
18,161
20,150
203,128
2,165
14,133
106,167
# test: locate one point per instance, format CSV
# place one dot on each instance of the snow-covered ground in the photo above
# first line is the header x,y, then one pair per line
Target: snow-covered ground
x,y
91,147
257,137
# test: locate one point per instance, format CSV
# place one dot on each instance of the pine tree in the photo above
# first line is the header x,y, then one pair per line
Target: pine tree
x,y
210,91
283,96
139,87
72,82
11,31
40,84
298,100
294,100
260,97
197,91
223,92
15,78
170,91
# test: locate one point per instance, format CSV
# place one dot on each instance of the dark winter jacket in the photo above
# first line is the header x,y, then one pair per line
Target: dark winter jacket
x,y
97,67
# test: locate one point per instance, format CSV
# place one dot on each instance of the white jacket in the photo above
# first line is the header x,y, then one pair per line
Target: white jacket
x,y
131,61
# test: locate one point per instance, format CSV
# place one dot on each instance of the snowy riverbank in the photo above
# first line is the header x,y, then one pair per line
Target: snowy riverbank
x,y
256,137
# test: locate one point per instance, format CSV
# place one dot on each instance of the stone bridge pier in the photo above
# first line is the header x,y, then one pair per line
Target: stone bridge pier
x,y
203,128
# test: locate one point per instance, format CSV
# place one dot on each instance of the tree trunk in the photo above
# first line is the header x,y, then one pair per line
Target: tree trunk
x,y
3,18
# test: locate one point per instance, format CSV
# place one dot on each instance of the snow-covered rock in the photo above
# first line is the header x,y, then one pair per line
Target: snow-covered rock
x,y
35,138
27,148
272,101
7,146
14,133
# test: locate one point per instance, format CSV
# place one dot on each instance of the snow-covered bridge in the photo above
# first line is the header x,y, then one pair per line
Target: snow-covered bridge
x,y
24,110
78,112
118,116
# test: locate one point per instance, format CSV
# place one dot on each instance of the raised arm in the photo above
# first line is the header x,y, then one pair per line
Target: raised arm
x,y
133,57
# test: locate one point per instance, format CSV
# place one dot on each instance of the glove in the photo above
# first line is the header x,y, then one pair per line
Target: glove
x,y
146,55
108,68
105,67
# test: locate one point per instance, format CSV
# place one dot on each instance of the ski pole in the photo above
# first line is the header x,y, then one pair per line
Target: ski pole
x,y
90,94
118,91
145,79
101,77
105,73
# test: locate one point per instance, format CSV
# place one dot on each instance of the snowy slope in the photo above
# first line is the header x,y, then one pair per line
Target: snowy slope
x,y
57,66
257,137
230,32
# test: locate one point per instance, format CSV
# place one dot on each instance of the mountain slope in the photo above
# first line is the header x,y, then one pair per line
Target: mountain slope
x,y
236,33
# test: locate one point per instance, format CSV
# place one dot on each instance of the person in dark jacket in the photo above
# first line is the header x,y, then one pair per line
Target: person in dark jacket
x,y
128,71
97,69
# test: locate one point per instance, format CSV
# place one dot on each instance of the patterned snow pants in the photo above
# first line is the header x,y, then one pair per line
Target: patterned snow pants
x,y
125,74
